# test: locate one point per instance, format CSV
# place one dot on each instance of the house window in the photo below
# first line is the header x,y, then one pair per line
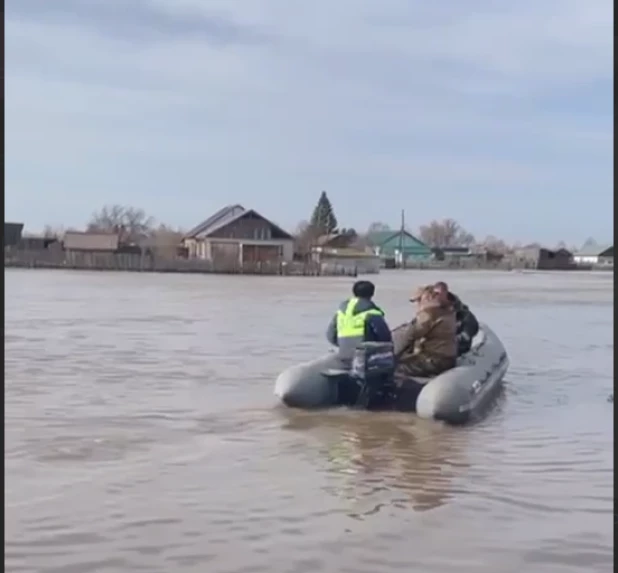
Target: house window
x,y
262,233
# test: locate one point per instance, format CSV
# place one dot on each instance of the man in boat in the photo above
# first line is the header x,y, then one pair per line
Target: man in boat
x,y
358,320
467,325
429,345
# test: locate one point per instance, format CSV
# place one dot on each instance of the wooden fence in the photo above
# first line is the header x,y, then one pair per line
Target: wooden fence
x,y
470,264
148,262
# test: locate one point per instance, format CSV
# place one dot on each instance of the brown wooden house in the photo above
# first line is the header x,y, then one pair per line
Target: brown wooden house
x,y
235,235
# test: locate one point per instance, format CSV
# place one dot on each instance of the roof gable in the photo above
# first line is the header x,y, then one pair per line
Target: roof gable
x,y
339,240
393,239
378,238
283,234
594,250
227,216
216,221
407,241
563,252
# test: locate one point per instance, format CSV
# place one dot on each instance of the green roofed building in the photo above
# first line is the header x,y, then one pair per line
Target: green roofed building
x,y
394,244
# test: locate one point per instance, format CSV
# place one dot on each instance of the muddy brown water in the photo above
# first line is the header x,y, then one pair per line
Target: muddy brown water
x,y
141,433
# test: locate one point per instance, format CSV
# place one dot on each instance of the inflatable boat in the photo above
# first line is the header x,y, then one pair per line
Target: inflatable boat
x,y
453,396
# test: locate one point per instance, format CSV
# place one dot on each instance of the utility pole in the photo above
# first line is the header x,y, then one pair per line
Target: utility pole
x,y
401,232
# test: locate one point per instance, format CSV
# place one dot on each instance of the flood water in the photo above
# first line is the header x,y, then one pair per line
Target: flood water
x,y
141,432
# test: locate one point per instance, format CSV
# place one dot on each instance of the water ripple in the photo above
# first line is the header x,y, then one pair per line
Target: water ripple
x,y
140,433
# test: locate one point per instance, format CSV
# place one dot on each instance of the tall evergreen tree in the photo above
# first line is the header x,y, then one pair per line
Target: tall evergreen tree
x,y
323,220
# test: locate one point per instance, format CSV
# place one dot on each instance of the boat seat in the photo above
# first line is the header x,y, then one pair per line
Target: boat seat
x,y
334,372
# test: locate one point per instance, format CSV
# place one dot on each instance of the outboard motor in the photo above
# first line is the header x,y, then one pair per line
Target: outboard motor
x,y
373,366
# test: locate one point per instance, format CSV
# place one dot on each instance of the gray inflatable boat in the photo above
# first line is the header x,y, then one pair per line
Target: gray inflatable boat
x,y
454,396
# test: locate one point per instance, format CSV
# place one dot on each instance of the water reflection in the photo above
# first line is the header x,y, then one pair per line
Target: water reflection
x,y
385,460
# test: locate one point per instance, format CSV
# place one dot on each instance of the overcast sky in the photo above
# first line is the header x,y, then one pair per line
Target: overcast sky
x,y
496,113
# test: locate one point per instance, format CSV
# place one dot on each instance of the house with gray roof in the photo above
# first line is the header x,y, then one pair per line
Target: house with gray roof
x,y
12,233
595,255
235,235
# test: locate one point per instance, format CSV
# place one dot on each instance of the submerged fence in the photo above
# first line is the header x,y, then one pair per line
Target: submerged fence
x,y
506,264
149,262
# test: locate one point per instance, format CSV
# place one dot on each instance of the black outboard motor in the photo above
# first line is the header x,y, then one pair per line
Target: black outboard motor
x,y
373,366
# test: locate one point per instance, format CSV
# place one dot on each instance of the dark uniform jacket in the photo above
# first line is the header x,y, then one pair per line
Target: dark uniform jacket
x,y
467,325
376,328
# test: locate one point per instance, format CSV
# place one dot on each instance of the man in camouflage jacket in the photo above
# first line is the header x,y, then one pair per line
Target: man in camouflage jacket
x,y
467,325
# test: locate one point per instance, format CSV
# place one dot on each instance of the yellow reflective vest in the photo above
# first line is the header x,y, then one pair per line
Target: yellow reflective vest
x,y
350,325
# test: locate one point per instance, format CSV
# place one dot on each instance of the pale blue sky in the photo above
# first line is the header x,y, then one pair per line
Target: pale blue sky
x,y
496,113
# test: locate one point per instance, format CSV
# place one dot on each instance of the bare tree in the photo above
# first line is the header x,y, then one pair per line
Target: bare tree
x,y
465,239
165,241
377,227
56,232
349,232
108,219
361,241
301,228
132,224
165,235
137,223
445,233
51,232
304,237
495,245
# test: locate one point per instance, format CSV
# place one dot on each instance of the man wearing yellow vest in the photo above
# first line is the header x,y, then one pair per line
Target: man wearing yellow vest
x,y
358,320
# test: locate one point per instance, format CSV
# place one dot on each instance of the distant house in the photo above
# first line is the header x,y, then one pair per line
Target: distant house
x,y
336,240
337,250
237,235
12,233
37,243
451,253
84,241
350,259
476,253
595,255
398,246
540,258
